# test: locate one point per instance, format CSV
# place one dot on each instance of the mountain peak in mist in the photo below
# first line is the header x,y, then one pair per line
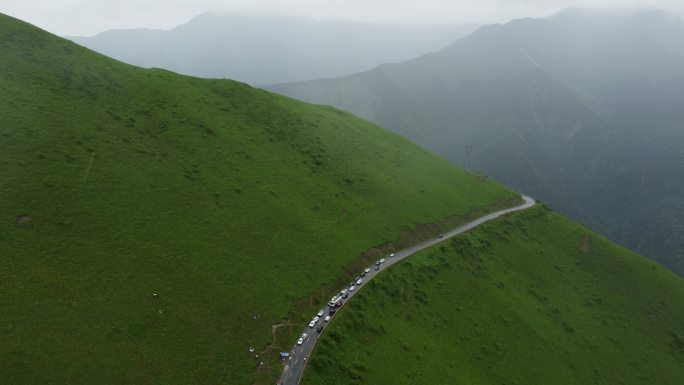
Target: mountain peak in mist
x,y
268,49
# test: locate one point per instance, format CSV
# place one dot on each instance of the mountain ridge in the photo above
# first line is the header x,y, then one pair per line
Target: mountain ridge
x,y
268,49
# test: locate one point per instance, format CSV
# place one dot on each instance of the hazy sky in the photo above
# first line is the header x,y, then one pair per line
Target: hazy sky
x,y
87,17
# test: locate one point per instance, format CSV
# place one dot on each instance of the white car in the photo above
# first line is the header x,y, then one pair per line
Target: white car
x,y
300,341
320,313
358,281
304,336
312,324
382,260
327,318
352,287
315,319
367,270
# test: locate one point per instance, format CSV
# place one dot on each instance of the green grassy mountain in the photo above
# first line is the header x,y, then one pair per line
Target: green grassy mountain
x,y
530,299
236,207
582,110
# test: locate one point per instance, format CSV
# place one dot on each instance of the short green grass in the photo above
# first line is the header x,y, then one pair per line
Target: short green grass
x,y
530,299
238,207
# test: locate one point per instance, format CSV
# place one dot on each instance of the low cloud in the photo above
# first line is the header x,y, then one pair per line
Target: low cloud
x,y
87,17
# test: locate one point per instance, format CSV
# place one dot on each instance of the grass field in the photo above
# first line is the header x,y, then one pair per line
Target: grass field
x,y
530,299
238,207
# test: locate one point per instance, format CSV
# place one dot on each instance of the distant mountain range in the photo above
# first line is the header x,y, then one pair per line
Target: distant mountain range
x,y
584,109
263,50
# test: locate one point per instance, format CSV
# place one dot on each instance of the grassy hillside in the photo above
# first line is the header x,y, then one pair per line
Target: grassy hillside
x,y
530,299
239,208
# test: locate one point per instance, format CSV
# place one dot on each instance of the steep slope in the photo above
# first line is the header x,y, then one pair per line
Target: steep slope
x,y
154,226
531,299
266,50
582,110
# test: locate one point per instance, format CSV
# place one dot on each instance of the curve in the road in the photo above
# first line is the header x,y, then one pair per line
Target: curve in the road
x,y
294,369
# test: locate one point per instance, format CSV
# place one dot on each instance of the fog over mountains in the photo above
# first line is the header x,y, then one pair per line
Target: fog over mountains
x,y
584,109
263,50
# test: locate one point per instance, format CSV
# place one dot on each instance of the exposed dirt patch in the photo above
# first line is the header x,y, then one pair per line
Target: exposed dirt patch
x,y
23,220
274,330
585,245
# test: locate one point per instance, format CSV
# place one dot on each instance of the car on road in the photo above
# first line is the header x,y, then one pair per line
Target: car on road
x,y
358,281
300,341
327,318
440,236
320,313
312,324
376,268
332,311
363,274
382,260
320,328
352,287
367,271
316,318
304,336
344,293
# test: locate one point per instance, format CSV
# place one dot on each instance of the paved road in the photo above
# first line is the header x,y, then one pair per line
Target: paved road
x,y
294,369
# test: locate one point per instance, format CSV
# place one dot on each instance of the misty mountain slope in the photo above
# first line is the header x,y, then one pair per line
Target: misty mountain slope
x,y
264,50
237,207
582,109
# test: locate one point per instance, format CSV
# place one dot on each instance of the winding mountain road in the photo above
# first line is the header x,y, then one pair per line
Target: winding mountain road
x,y
294,369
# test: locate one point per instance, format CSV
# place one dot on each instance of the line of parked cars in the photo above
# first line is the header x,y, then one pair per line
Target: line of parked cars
x,y
337,301
301,339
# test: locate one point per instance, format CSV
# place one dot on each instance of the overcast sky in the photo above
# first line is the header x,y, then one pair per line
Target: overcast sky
x,y
88,17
